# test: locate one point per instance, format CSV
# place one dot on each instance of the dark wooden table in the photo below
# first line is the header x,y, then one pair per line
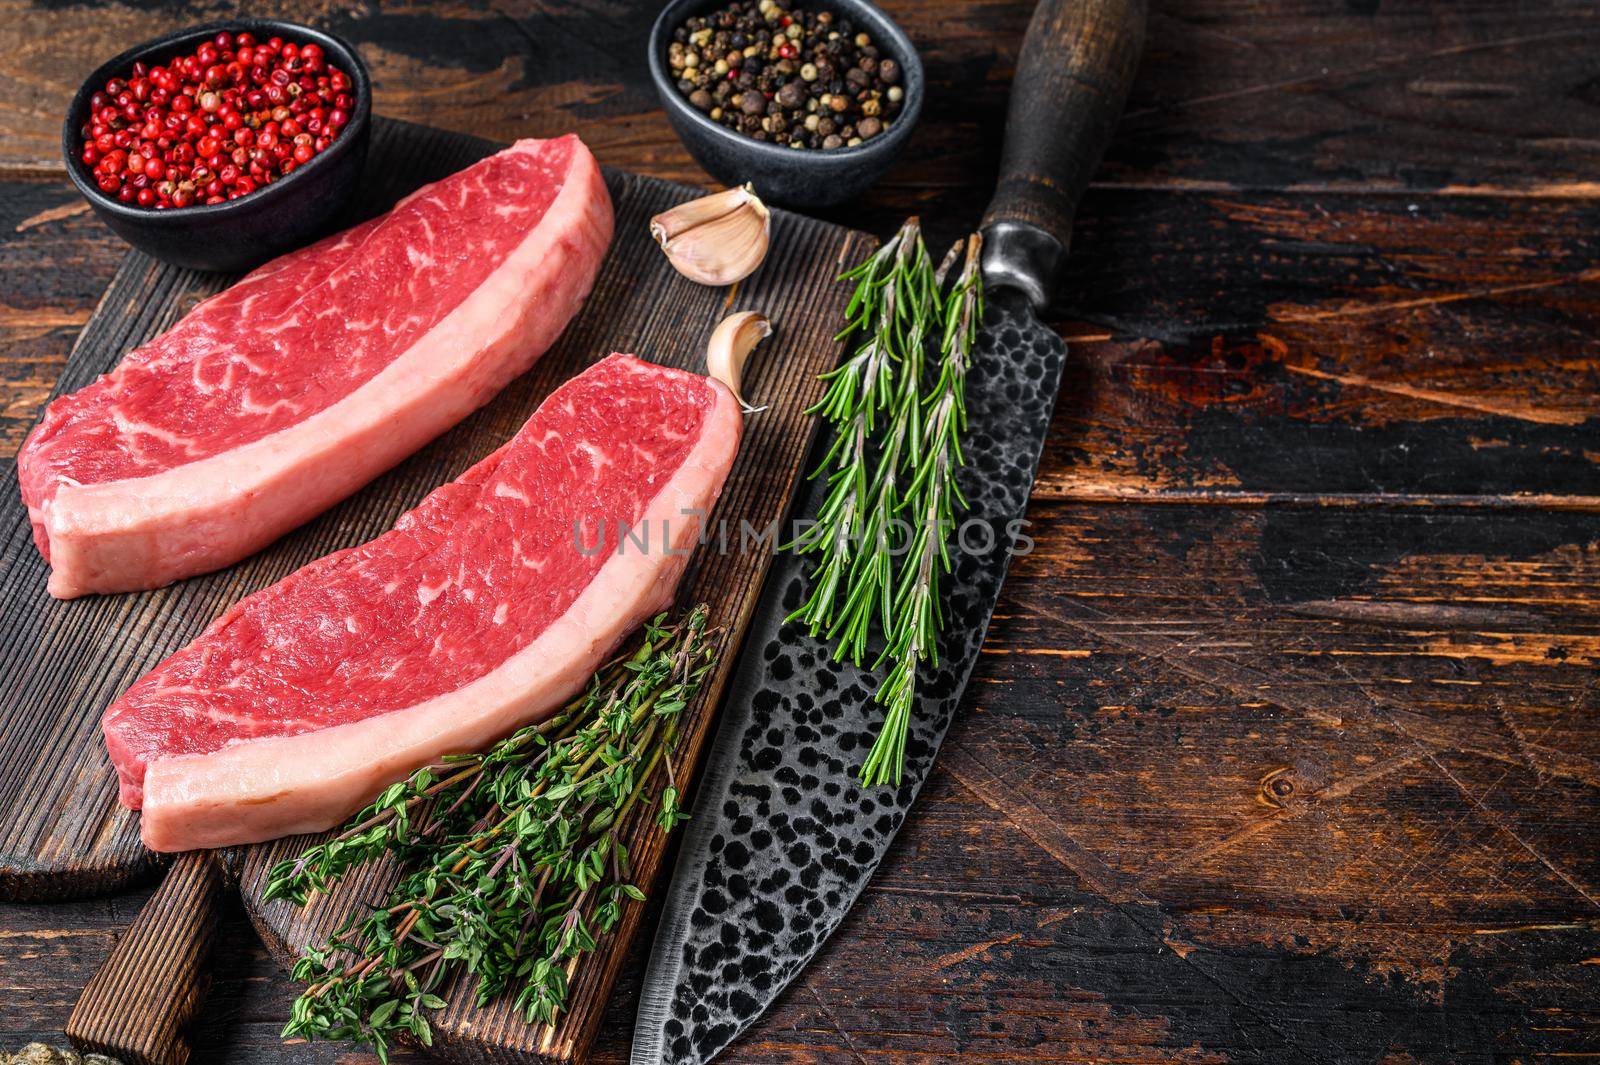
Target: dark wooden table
x,y
1284,744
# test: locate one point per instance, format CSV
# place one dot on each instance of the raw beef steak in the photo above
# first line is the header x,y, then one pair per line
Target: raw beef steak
x,y
272,401
486,607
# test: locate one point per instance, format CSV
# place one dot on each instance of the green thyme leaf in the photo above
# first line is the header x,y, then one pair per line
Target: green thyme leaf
x,y
511,865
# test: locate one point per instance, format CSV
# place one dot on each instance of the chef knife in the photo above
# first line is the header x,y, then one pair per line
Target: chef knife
x,y
783,838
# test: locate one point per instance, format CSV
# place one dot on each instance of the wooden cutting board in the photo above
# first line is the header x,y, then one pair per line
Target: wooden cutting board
x,y
62,832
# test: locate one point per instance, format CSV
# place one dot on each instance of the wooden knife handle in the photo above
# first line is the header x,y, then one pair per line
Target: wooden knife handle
x,y
138,1007
1077,65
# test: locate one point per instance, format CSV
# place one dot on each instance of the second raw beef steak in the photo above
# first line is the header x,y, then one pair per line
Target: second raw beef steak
x,y
485,608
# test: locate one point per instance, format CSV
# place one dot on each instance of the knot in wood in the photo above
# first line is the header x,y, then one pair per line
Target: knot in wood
x,y
1277,787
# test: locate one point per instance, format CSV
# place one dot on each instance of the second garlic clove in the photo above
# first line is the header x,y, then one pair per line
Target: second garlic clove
x,y
732,341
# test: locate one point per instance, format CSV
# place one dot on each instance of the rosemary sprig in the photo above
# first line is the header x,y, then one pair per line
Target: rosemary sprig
x,y
891,310
892,467
512,862
932,498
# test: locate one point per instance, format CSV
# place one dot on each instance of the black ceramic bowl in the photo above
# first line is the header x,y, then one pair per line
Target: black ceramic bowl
x,y
241,233
781,175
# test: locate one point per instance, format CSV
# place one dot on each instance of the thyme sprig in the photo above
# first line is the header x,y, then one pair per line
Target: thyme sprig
x,y
881,535
512,861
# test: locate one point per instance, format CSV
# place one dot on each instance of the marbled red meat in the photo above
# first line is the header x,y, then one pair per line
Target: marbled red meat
x,y
486,606
278,397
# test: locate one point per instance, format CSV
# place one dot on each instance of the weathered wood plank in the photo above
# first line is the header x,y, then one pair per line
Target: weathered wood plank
x,y
1233,93
1247,346
140,1006
55,260
1303,772
1224,792
1227,347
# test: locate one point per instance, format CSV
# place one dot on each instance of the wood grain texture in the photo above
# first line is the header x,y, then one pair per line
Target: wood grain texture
x,y
1224,792
1232,93
1249,347
62,833
139,1005
1329,430
55,262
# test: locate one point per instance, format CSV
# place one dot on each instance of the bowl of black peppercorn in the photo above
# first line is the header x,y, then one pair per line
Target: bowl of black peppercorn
x,y
809,103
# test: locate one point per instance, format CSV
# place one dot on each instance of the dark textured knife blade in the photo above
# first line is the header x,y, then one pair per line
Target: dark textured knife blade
x,y
783,838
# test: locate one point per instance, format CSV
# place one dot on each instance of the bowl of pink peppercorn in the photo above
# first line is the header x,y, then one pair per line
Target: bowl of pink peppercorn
x,y
222,146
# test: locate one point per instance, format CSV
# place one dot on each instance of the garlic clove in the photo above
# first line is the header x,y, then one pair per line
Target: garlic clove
x,y
732,341
674,220
717,239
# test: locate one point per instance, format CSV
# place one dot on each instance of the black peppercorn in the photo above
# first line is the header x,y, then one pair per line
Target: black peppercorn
x,y
792,95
